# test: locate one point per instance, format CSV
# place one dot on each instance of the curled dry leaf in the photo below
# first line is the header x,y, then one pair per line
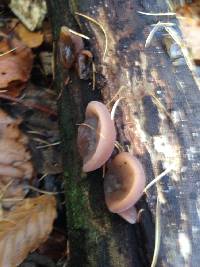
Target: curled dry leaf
x,y
16,168
189,18
25,228
31,13
15,66
31,39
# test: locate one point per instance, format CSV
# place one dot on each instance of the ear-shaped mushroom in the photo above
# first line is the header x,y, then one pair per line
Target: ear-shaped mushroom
x,y
96,136
83,65
69,46
123,185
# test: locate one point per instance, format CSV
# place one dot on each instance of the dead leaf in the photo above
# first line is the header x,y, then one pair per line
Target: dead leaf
x,y
47,31
46,60
16,168
189,18
25,228
31,39
31,13
15,65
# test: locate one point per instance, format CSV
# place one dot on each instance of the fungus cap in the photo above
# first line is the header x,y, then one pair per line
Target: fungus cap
x,y
96,136
130,215
69,46
124,182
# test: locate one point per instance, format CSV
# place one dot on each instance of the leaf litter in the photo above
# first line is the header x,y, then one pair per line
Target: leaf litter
x,y
31,185
15,65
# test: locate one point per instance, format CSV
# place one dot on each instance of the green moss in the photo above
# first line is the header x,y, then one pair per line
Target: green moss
x,y
88,222
76,204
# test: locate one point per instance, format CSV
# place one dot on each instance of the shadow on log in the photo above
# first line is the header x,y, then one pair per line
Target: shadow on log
x,y
157,120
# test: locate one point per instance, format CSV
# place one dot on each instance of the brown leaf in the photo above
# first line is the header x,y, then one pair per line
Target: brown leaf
x,y
47,30
31,39
25,228
15,65
15,160
189,18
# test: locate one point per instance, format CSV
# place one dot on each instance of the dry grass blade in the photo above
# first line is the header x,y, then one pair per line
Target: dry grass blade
x,y
100,26
170,168
49,145
156,27
116,95
151,34
119,146
4,189
8,52
157,235
41,191
79,34
160,105
93,76
172,32
113,111
157,14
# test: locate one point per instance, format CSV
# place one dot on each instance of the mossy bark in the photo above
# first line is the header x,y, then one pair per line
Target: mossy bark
x,y
157,120
96,237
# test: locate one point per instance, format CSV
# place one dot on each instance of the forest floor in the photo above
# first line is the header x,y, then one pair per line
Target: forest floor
x,y
30,148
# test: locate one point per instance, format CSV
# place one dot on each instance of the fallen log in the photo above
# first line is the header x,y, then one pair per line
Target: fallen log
x,y
157,120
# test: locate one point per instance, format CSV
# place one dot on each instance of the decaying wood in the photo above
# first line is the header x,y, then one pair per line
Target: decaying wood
x,y
157,120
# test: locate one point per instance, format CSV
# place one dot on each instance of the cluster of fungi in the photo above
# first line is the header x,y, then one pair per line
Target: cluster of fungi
x,y
124,180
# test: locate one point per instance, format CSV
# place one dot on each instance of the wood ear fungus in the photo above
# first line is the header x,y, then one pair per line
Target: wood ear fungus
x,y
69,46
124,183
96,136
83,64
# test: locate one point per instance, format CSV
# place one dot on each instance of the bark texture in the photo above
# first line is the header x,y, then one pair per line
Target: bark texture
x,y
157,120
